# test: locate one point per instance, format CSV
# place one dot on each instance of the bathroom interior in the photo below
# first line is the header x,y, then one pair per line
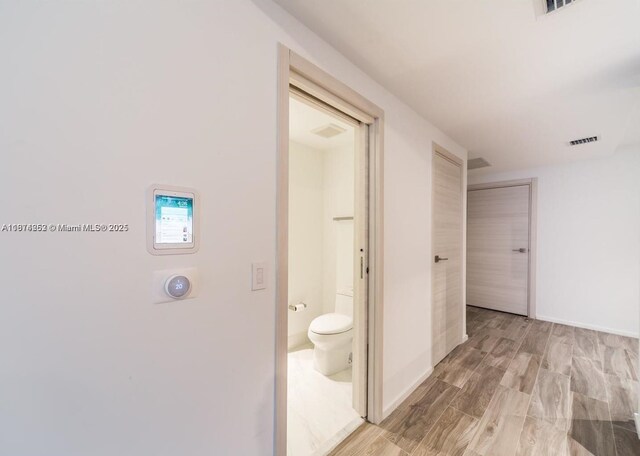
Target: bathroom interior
x,y
320,409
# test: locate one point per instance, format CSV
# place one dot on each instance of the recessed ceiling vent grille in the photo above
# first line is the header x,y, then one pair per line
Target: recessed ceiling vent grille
x,y
577,142
329,130
476,163
553,5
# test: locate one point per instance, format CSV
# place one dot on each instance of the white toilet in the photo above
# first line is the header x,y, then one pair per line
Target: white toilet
x,y
332,335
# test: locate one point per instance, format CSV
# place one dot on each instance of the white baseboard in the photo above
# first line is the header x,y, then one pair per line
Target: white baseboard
x,y
587,326
401,398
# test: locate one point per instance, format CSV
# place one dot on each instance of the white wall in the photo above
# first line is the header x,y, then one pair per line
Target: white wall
x,y
588,260
306,238
98,101
339,192
321,186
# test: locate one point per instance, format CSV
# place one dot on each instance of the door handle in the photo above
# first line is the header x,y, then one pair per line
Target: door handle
x,y
438,259
522,250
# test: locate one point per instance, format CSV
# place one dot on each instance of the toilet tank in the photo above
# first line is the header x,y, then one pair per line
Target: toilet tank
x,y
344,301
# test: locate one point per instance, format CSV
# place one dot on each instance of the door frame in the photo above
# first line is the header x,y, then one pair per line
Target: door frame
x,y
532,183
295,70
444,153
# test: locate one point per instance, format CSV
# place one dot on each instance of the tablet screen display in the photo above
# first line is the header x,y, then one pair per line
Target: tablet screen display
x,y
174,219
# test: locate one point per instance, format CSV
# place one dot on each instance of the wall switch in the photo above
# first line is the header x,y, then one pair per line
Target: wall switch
x,y
258,276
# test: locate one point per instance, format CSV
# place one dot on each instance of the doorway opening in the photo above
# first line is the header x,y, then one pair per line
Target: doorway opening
x,y
324,370
329,273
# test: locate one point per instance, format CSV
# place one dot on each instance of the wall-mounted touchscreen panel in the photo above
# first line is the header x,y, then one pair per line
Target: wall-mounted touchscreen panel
x,y
172,219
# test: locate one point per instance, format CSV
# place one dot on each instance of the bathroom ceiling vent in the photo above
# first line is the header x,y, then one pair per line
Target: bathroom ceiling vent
x,y
329,130
553,5
577,142
476,163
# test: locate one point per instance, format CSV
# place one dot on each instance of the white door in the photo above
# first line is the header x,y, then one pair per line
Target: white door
x,y
447,308
498,248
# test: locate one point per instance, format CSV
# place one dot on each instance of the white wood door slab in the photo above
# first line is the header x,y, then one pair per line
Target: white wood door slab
x,y
447,308
498,248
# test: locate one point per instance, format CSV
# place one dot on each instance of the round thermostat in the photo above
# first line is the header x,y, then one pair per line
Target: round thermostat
x,y
177,286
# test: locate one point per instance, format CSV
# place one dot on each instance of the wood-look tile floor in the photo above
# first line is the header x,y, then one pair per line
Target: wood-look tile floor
x,y
517,387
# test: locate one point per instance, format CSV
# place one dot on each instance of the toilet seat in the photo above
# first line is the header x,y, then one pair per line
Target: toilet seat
x,y
331,323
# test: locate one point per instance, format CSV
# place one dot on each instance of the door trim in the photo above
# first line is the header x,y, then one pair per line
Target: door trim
x,y
294,69
444,153
533,220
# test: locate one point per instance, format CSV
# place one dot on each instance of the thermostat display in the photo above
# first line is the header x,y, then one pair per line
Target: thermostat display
x,y
178,286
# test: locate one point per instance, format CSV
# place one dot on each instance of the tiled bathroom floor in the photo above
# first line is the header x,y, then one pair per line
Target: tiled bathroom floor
x,y
517,387
320,413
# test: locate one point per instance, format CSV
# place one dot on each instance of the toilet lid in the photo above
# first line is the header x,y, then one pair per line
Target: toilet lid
x,y
331,323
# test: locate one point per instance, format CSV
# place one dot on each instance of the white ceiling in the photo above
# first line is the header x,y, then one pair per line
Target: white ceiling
x,y
303,119
508,84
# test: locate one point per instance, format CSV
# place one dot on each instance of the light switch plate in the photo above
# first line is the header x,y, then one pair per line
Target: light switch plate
x,y
258,276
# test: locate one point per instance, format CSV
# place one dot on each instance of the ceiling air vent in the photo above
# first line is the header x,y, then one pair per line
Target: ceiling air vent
x,y
329,130
577,142
476,163
553,5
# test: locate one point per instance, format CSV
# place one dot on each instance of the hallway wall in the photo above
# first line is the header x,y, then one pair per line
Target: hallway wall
x,y
102,99
588,241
